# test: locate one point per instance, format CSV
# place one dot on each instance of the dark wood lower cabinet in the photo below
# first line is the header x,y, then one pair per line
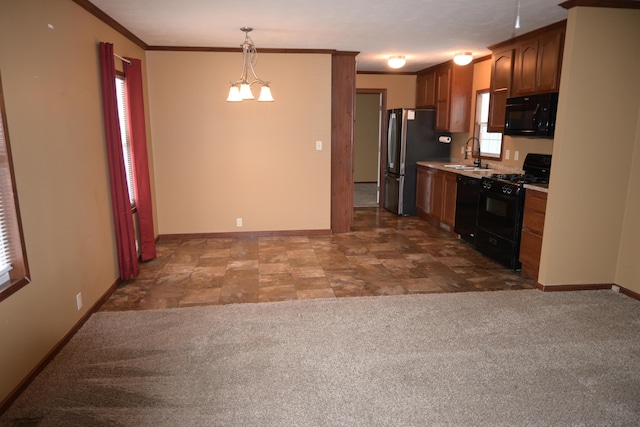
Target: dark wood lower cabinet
x,y
423,185
535,206
436,196
449,199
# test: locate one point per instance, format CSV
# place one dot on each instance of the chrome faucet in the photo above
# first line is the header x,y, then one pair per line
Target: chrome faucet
x,y
478,162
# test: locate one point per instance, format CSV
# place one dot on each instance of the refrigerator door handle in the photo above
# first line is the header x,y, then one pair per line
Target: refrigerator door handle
x,y
391,155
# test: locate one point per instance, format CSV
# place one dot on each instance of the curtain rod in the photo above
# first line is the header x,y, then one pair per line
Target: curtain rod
x,y
120,57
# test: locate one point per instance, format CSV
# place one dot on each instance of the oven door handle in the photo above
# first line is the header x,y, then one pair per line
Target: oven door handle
x,y
498,196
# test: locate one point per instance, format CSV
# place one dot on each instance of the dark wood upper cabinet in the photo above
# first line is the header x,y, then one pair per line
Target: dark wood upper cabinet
x,y
454,108
443,98
525,65
538,62
524,73
426,90
501,72
550,49
447,88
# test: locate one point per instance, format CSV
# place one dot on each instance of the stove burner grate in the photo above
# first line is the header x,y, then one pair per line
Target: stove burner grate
x,y
517,178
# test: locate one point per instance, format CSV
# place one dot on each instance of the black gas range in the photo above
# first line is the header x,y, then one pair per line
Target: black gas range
x,y
500,209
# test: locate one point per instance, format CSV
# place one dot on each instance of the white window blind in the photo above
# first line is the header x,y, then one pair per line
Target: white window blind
x,y
490,142
124,133
5,180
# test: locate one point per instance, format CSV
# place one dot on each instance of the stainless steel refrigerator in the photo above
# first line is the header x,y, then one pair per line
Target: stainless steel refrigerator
x,y
411,138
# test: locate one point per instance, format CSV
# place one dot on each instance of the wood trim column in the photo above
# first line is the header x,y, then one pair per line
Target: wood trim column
x,y
343,100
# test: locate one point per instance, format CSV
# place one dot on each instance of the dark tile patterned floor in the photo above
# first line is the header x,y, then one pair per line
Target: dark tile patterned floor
x,y
383,255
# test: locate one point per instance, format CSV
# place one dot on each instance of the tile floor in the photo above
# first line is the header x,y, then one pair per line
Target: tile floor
x,y
383,255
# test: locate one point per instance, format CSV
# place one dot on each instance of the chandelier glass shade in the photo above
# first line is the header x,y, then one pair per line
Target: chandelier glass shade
x,y
240,89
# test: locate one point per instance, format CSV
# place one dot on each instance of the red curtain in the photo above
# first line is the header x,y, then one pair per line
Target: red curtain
x,y
122,218
138,138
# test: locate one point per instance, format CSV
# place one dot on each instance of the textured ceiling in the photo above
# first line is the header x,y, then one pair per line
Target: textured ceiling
x,y
427,32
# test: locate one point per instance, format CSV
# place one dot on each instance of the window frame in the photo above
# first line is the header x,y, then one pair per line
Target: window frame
x,y
478,124
19,275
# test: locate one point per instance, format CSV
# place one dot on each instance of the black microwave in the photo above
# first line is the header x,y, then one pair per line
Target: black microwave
x,y
533,115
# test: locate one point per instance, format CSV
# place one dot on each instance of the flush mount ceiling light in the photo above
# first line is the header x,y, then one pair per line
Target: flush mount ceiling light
x,y
241,88
462,58
396,61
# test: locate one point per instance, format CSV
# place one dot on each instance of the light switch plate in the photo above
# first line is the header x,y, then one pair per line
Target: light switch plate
x,y
319,145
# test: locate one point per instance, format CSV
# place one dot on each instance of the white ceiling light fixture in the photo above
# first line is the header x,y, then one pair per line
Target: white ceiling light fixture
x,y
241,88
462,58
396,61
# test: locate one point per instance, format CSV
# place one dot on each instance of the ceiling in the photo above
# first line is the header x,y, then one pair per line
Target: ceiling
x,y
426,32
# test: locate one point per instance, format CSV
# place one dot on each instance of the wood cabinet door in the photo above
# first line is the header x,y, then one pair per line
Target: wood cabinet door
x,y
535,204
524,75
430,87
443,87
501,69
422,191
421,91
449,196
426,90
549,63
437,194
530,249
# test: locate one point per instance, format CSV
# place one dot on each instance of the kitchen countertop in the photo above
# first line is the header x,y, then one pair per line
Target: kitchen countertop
x,y
480,173
472,173
543,188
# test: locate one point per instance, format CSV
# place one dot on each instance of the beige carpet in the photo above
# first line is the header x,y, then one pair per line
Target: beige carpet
x,y
517,358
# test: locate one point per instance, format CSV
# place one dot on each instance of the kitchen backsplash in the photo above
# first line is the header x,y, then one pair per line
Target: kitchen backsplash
x,y
520,145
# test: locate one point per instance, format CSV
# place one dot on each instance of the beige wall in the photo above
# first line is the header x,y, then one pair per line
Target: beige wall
x,y
51,85
591,225
216,161
366,138
401,89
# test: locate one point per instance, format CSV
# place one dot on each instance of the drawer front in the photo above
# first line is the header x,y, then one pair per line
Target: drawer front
x,y
533,221
535,201
530,248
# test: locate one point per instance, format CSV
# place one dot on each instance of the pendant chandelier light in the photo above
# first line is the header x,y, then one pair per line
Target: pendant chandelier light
x,y
517,24
241,88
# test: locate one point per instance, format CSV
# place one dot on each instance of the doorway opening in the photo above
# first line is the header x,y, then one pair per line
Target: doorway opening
x,y
369,132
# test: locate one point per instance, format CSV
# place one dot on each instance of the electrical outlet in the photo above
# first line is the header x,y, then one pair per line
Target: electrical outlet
x,y
615,288
79,300
319,145
238,222
462,150
516,155
507,154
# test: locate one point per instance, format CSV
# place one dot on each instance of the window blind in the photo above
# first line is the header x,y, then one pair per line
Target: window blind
x,y
124,134
5,179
